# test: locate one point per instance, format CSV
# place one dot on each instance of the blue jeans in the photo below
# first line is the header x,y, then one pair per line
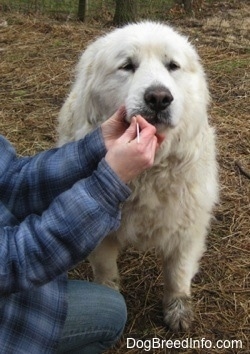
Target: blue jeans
x,y
95,320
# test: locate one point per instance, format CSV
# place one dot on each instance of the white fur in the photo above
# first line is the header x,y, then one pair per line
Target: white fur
x,y
171,204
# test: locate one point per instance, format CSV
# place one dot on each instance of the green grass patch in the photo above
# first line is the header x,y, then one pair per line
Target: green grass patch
x,y
228,66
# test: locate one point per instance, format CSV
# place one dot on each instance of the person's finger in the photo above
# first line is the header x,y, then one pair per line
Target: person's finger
x,y
130,133
147,133
160,138
154,145
147,130
143,123
151,150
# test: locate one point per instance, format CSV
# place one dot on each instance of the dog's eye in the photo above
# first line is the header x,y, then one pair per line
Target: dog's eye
x,y
128,66
173,66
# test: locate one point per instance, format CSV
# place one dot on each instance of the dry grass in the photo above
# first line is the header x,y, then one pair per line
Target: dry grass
x,y
37,58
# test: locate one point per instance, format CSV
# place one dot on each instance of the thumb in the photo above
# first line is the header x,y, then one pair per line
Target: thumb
x,y
130,133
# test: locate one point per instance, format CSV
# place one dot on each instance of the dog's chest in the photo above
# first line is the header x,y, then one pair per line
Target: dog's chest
x,y
162,202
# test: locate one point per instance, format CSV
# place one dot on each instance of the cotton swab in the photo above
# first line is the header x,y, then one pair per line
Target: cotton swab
x,y
138,133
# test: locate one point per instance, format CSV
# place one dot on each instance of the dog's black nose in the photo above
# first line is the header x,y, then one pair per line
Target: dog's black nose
x,y
158,98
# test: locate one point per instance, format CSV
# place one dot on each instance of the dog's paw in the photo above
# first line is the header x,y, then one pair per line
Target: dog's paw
x,y
178,314
111,283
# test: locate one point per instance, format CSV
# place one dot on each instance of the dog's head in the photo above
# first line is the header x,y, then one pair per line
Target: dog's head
x,y
148,66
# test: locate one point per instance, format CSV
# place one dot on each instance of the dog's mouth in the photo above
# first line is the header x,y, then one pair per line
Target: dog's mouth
x,y
161,120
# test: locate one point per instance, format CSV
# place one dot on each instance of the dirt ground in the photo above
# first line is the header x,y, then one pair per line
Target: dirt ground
x,y
37,60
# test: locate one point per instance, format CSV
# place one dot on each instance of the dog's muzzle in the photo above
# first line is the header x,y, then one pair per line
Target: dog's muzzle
x,y
157,101
155,107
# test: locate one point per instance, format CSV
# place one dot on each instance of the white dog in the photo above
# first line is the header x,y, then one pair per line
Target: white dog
x,y
156,72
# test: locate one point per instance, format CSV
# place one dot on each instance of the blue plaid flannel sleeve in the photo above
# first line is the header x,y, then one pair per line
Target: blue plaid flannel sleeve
x,y
42,247
38,247
29,184
35,248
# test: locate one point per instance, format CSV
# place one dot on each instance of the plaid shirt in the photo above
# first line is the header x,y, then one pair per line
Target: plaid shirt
x,y
55,208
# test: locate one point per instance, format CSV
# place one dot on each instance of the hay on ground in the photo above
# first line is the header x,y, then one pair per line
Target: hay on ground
x,y
37,59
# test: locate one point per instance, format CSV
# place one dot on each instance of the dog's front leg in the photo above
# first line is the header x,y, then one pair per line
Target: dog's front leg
x,y
104,262
179,267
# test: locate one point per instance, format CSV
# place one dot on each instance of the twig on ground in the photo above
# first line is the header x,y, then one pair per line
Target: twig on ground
x,y
242,170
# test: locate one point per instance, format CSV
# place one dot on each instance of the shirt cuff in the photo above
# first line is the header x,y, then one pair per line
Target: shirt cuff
x,y
92,149
107,188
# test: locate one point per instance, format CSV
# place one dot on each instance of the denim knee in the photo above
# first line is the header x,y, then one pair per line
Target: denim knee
x,y
96,318
121,314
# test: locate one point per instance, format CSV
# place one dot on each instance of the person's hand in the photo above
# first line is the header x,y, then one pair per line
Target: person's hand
x,y
114,127
128,157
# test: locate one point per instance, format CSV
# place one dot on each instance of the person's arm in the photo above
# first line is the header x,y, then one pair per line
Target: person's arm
x,y
29,184
42,247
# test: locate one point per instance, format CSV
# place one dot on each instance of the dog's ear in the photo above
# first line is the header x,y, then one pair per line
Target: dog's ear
x,y
84,67
79,111
191,57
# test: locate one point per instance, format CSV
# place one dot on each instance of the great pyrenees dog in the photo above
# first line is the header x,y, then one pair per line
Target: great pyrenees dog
x,y
157,73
